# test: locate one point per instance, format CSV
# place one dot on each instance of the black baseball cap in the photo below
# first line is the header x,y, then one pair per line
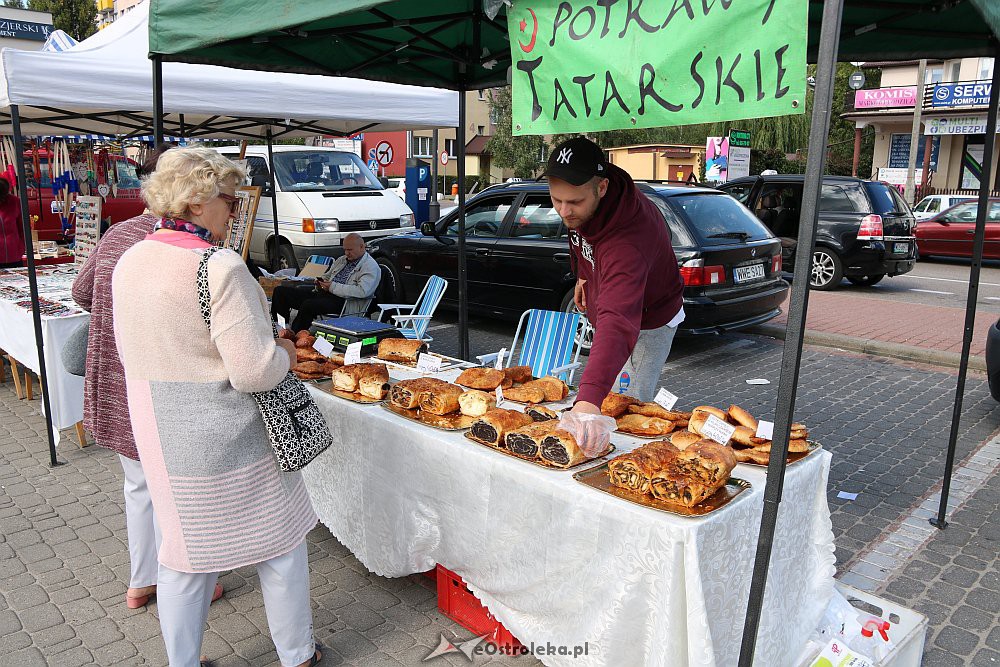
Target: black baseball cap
x,y
576,161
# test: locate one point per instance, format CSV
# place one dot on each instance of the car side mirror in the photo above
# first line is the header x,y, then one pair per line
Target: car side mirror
x,y
428,229
943,221
384,181
260,181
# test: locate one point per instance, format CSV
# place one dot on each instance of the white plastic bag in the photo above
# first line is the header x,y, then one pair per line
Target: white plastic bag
x,y
592,432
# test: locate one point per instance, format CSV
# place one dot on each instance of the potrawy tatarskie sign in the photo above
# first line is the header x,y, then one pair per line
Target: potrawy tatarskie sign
x,y
610,64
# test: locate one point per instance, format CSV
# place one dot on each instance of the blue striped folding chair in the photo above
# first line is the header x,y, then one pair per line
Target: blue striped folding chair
x,y
320,259
550,345
413,324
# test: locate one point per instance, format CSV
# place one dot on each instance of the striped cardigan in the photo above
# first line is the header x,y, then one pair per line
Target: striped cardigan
x,y
220,500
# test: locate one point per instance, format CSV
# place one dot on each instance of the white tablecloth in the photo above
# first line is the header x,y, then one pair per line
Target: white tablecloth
x,y
558,562
17,337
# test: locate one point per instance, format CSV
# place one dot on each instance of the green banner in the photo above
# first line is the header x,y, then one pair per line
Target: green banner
x,y
612,64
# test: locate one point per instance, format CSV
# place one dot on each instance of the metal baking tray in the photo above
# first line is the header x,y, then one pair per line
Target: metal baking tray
x,y
539,462
327,386
452,422
447,362
665,436
597,478
793,457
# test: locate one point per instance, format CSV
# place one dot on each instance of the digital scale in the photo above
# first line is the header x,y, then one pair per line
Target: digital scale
x,y
342,331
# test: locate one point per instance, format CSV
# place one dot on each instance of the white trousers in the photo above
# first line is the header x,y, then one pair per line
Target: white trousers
x,y
182,599
140,523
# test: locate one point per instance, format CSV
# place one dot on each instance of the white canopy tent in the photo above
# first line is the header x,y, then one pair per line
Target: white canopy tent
x,y
104,85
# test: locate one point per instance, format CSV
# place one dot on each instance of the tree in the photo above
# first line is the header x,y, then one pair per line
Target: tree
x,y
78,18
522,154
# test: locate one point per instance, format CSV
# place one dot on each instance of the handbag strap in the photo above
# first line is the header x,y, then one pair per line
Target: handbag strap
x,y
204,296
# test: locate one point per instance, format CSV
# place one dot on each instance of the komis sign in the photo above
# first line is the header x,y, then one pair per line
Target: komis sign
x,y
881,98
608,64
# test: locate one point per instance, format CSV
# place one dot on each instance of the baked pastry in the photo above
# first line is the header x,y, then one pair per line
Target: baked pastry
x,y
657,410
560,449
615,405
738,415
305,341
374,382
642,425
492,427
400,349
329,367
302,334
308,354
684,439
794,446
480,378
752,456
697,422
525,394
634,469
518,374
337,358
407,393
310,370
346,378
540,413
287,334
744,435
708,409
526,441
694,474
441,400
553,388
475,403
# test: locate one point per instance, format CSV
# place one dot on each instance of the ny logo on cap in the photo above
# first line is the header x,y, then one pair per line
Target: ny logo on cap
x,y
564,155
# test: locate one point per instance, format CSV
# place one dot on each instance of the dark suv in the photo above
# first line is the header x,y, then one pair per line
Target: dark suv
x,y
518,255
865,232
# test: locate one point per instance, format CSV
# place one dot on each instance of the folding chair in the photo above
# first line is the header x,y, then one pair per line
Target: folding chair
x,y
413,324
320,259
550,344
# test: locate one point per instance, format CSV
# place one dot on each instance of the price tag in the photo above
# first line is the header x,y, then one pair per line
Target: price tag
x,y
428,363
281,322
499,393
665,399
499,364
353,354
717,430
765,430
323,346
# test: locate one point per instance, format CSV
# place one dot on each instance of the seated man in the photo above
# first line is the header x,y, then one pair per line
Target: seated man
x,y
355,275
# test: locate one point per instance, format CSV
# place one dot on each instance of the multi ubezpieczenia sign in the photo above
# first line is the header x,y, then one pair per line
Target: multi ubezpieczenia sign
x,y
609,64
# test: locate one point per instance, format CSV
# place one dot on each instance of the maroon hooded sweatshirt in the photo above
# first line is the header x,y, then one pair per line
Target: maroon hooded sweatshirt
x,y
633,281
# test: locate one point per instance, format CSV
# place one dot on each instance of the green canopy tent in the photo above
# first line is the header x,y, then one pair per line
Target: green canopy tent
x,y
457,44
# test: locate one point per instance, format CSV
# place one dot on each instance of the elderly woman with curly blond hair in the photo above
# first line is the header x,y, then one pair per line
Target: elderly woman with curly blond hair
x,y
220,500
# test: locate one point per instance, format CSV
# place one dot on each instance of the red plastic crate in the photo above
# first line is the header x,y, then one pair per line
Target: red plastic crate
x,y
457,602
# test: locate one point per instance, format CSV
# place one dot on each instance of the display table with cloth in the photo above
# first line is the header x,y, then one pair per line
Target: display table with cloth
x,y
60,318
561,563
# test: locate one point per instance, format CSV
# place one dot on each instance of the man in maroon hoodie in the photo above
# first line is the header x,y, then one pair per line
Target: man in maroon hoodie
x,y
628,282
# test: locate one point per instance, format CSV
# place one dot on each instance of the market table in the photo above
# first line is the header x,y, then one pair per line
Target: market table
x,y
561,563
17,334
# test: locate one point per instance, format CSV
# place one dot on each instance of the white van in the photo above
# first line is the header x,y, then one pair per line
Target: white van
x,y
323,195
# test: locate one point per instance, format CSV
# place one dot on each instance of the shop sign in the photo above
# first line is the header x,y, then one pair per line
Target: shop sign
x,y
38,32
898,176
584,66
739,154
883,98
961,94
956,125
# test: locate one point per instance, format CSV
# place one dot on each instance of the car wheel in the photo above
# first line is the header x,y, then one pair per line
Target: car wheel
x,y
585,333
286,257
827,270
866,281
393,286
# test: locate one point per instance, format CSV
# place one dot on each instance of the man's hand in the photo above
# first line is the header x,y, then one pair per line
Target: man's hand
x,y
589,427
580,298
322,285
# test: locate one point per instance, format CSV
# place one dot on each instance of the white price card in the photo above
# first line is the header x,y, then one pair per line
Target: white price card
x,y
352,355
500,355
281,322
765,430
499,393
717,430
323,346
428,363
665,399
759,381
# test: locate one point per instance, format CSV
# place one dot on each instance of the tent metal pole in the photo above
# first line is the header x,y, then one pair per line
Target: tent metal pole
x,y
29,252
791,356
435,206
276,256
463,294
157,99
973,296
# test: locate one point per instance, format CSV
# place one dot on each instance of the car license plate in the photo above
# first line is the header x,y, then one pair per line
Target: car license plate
x,y
743,274
900,248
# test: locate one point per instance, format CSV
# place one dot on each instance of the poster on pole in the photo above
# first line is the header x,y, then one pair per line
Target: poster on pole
x,y
588,67
88,227
241,226
739,154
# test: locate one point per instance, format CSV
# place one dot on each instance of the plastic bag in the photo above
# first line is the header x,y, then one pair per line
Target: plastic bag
x,y
592,432
492,7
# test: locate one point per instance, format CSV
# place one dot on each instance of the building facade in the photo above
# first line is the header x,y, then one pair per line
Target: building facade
x,y
23,28
950,147
659,162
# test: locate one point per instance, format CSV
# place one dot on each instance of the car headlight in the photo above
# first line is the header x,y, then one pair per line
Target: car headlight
x,y
406,220
328,225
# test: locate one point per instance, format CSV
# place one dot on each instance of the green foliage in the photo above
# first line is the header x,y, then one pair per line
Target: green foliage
x,y
78,18
522,154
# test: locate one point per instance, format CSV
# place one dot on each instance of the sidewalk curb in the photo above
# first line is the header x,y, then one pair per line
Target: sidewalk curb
x,y
879,348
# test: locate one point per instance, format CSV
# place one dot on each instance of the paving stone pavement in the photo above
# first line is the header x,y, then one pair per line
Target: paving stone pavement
x,y
64,560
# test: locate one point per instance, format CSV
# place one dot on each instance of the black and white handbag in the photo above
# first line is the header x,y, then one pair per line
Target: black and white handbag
x,y
296,427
